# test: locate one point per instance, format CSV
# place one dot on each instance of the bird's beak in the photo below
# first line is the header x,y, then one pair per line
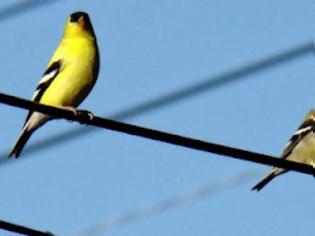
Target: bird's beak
x,y
81,22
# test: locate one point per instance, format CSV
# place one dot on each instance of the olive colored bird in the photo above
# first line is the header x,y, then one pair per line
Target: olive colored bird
x,y
300,148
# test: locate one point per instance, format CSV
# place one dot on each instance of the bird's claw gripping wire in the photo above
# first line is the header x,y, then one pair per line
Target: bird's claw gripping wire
x,y
84,115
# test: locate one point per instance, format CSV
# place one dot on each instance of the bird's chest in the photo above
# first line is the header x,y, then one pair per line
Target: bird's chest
x,y
78,66
75,78
305,150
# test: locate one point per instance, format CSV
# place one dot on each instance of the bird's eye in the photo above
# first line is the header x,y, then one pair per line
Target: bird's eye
x,y
72,19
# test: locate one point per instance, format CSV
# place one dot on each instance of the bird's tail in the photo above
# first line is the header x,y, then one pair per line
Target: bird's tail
x,y
20,143
33,122
268,178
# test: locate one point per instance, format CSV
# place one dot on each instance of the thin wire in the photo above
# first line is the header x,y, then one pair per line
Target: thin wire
x,y
22,7
210,83
176,96
167,204
156,135
20,229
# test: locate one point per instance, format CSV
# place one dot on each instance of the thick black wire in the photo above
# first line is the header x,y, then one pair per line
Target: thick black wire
x,y
218,81
213,82
158,135
4,225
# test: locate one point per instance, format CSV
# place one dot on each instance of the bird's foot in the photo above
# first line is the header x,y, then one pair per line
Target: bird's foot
x,y
83,115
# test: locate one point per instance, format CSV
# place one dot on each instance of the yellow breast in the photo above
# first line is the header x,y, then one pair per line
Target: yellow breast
x,y
76,78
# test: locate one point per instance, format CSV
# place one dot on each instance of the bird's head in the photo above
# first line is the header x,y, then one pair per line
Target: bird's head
x,y
78,24
310,115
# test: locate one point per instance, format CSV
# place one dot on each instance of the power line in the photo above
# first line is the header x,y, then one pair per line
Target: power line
x,y
213,82
22,6
167,204
158,135
22,229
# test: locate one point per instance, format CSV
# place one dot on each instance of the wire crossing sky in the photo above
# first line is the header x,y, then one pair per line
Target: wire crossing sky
x,y
83,117
21,229
182,94
22,6
167,204
152,54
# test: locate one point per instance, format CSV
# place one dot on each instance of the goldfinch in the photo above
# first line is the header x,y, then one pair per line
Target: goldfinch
x,y
300,148
69,76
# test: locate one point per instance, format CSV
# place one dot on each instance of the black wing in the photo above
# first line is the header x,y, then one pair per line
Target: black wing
x,y
305,128
48,77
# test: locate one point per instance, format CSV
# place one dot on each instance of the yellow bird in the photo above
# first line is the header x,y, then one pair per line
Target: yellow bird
x,y
300,148
69,76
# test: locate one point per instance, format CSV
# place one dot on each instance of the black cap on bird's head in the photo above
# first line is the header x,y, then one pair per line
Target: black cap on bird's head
x,y
76,16
82,19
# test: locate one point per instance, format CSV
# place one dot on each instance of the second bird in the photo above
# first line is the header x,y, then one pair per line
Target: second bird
x,y
69,76
300,148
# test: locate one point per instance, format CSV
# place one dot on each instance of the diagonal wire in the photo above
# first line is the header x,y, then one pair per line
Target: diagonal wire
x,y
21,7
167,204
20,229
83,118
210,83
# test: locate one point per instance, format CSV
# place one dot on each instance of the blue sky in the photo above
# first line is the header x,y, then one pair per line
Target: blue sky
x,y
149,49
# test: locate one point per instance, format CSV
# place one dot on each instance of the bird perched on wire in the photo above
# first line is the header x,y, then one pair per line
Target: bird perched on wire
x,y
69,76
300,148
